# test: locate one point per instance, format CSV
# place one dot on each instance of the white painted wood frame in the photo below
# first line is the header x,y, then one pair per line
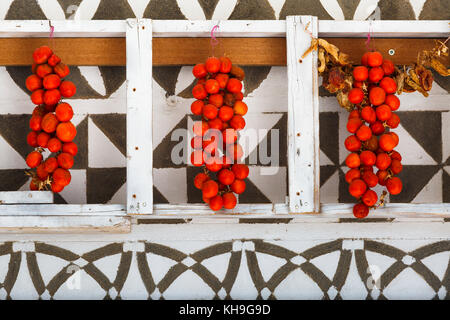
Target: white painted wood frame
x,y
326,28
308,68
11,197
303,116
329,212
305,111
227,28
80,218
34,211
63,28
139,117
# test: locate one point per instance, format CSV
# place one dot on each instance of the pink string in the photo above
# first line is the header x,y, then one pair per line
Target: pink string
x,y
52,29
214,41
369,36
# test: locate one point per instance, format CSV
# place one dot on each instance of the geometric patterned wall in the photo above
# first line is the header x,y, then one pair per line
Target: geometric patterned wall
x,y
238,269
247,261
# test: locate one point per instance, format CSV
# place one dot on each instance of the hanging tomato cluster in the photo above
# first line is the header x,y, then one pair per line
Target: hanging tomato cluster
x,y
219,102
372,143
50,122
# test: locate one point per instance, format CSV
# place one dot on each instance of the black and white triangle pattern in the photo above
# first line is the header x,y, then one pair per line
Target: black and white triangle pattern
x,y
99,175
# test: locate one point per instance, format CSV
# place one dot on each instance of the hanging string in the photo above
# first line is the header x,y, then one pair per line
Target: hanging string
x,y
214,41
369,36
52,30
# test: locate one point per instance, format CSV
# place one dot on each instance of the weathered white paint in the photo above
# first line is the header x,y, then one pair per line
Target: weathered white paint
x,y
227,28
63,210
384,28
64,224
327,211
303,116
139,117
202,213
8,197
62,28
196,210
394,209
277,28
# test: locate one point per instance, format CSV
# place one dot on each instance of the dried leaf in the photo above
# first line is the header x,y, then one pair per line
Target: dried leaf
x,y
439,67
336,56
348,81
413,76
334,80
344,59
407,88
321,58
331,49
400,79
343,101
425,77
413,84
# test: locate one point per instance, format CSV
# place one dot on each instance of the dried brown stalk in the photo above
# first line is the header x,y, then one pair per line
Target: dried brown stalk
x,y
382,200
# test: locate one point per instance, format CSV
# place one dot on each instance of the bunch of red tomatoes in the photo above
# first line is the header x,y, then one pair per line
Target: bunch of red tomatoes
x,y
372,143
50,122
219,102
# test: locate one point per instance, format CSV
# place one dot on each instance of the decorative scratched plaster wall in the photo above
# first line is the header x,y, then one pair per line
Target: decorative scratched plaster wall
x,y
264,265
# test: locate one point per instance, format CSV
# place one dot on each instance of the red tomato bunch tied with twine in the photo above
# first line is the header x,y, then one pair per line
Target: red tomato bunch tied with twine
x,y
372,141
50,123
218,94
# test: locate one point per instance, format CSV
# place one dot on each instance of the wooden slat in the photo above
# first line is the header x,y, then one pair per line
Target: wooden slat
x,y
277,28
64,224
406,50
73,51
303,117
139,117
430,209
384,28
62,28
62,209
11,197
243,51
272,51
328,210
189,51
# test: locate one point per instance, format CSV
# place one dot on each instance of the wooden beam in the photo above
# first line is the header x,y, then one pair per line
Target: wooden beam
x,y
139,117
73,51
242,51
189,51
